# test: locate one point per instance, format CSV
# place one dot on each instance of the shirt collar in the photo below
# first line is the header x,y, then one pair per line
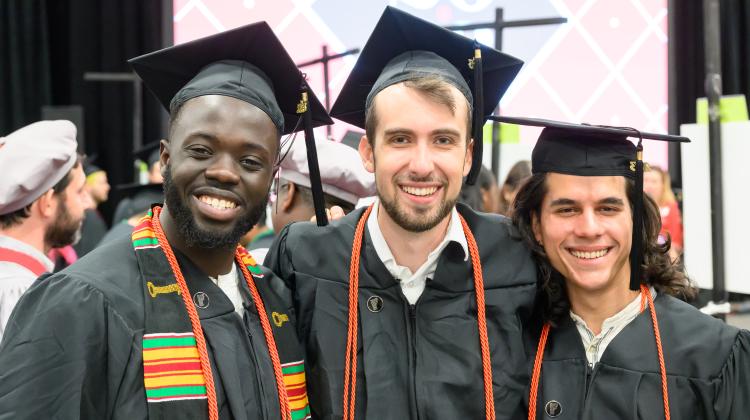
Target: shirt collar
x,y
625,316
455,234
20,246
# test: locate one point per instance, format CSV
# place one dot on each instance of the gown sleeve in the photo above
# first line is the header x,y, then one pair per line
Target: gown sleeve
x,y
732,400
278,259
64,353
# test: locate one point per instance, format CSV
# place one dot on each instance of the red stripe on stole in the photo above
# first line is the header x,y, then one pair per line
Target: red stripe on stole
x,y
296,392
173,359
172,367
173,373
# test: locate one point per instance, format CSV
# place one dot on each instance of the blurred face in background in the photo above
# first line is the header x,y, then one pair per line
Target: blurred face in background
x,y
653,185
98,187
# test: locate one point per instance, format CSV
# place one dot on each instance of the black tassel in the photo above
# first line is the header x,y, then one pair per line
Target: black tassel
x,y
636,251
477,117
312,163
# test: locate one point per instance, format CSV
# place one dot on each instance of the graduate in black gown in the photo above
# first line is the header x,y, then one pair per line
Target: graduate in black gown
x,y
416,304
175,321
614,340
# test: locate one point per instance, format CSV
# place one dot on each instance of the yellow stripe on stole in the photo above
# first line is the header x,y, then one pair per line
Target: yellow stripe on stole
x,y
144,233
170,353
175,380
295,379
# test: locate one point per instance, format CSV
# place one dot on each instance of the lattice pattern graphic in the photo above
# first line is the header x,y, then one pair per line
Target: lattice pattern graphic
x,y
607,65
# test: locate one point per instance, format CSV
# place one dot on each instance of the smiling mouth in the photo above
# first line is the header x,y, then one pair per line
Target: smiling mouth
x,y
419,191
217,203
589,255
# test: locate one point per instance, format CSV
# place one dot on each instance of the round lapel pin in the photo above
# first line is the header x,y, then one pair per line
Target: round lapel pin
x,y
553,408
200,299
375,304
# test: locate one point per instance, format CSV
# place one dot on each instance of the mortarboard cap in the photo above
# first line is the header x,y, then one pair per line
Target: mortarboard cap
x,y
248,63
137,198
595,150
402,47
34,158
89,167
148,153
341,170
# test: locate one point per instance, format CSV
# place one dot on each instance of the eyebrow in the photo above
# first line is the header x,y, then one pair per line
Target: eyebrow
x,y
445,131
613,201
214,139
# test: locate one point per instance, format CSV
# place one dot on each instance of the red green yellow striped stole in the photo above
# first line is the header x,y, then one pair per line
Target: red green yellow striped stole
x,y
173,379
171,367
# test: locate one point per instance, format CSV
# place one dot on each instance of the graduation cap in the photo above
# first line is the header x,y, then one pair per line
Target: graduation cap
x,y
89,167
595,150
403,47
148,153
248,63
136,198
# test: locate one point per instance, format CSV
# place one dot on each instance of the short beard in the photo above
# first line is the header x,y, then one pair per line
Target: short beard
x,y
64,230
418,223
194,236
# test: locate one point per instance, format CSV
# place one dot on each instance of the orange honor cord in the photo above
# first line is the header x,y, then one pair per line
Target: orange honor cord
x,y
484,343
657,335
536,374
270,341
350,368
213,410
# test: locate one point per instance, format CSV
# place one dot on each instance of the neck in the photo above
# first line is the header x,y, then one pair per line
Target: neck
x,y
410,249
29,233
212,261
596,306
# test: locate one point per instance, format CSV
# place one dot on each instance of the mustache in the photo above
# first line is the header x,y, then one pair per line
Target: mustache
x,y
428,178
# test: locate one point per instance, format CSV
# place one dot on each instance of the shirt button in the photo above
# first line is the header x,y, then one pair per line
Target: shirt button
x,y
410,284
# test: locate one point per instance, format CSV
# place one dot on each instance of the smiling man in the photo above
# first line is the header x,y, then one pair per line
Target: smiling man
x,y
176,321
412,309
615,341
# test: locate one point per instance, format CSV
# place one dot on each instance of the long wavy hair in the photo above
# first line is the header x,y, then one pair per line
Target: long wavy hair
x,y
658,269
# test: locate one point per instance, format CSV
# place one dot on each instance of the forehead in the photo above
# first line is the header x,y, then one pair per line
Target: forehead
x,y
222,116
584,188
399,104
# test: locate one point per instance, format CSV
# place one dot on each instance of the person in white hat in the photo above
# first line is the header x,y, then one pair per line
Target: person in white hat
x,y
41,204
343,176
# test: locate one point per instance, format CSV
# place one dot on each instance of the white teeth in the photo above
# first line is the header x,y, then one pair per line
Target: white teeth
x,y
422,192
217,202
590,255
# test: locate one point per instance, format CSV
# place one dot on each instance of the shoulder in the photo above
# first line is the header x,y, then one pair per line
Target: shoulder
x,y
699,344
308,240
501,248
108,274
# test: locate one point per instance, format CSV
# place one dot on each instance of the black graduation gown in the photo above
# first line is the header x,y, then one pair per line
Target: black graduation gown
x,y
93,230
707,361
73,347
414,362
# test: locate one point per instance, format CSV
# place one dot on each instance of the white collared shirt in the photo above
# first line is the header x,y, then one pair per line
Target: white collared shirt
x,y
596,344
229,284
413,284
15,279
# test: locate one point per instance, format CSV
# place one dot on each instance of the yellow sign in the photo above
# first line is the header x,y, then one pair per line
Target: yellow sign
x,y
156,290
279,319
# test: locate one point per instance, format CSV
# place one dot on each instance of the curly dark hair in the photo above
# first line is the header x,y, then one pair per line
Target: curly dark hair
x,y
658,269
